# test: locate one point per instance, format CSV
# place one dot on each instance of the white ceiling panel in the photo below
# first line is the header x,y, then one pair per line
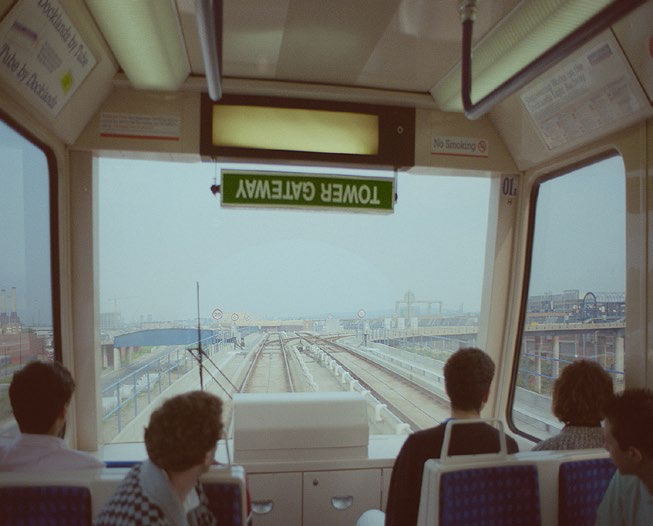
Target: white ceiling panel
x,y
391,44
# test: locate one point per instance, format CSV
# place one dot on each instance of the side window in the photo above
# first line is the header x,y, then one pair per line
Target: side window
x,y
576,306
26,300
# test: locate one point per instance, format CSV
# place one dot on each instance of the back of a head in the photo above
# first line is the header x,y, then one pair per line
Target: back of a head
x,y
38,393
630,414
581,392
468,374
183,430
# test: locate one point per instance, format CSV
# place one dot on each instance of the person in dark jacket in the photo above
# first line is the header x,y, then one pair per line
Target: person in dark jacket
x,y
468,374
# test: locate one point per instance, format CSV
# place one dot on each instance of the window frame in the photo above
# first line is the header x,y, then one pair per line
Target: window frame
x,y
526,275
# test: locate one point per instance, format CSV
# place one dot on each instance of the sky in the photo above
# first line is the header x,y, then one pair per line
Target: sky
x,y
580,231
24,228
161,231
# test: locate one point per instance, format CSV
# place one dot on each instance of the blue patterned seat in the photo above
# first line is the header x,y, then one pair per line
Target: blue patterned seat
x,y
45,505
581,486
492,496
121,463
225,502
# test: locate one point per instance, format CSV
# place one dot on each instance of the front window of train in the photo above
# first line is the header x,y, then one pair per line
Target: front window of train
x,y
26,319
352,301
576,306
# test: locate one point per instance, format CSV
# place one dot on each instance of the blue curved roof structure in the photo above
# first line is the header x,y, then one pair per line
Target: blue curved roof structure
x,y
152,337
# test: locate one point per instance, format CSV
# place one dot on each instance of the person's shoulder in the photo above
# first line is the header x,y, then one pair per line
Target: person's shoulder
x,y
511,443
429,433
129,506
74,459
625,486
57,458
548,444
423,443
627,483
573,437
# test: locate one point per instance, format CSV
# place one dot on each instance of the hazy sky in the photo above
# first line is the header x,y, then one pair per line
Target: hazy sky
x,y
580,231
24,228
161,230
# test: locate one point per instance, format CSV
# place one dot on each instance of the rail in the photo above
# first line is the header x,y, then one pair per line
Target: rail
x,y
286,364
252,366
526,375
612,13
356,383
146,383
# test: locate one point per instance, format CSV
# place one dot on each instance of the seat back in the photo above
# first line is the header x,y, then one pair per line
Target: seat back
x,y
485,489
226,490
446,455
493,495
74,497
45,505
581,486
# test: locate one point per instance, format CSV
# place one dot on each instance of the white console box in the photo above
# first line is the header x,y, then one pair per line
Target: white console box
x,y
300,426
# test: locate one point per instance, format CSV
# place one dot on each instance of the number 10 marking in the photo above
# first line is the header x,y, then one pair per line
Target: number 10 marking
x,y
509,187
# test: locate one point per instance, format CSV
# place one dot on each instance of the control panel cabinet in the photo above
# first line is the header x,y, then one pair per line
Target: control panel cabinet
x,y
340,497
276,499
314,498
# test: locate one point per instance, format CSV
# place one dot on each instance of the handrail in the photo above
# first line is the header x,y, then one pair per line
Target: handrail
x,y
155,367
580,36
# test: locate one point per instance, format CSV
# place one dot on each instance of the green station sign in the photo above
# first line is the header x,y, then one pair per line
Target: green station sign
x,y
312,191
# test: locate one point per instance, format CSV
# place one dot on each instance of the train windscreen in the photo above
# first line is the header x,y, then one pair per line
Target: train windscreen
x,y
288,300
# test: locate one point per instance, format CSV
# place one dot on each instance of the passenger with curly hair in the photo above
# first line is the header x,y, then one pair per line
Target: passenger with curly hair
x,y
165,489
579,397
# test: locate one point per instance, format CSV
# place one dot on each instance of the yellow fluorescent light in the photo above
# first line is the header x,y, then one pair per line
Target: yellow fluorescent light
x,y
301,130
527,32
145,37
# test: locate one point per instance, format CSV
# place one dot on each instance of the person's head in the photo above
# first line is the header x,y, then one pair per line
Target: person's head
x,y
628,429
580,393
467,377
39,395
183,432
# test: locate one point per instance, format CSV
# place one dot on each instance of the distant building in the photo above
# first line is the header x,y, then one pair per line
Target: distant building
x,y
571,306
110,321
21,347
9,322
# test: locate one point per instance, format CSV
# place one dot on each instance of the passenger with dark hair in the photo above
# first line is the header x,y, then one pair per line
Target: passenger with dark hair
x,y
164,490
628,429
39,394
468,374
579,395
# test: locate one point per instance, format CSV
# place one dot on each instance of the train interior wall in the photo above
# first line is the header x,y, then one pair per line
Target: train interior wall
x,y
516,148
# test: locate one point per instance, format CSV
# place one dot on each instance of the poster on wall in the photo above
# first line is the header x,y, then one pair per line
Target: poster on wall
x,y
42,54
584,96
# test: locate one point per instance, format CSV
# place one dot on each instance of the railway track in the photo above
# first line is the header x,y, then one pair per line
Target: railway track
x,y
270,370
274,369
410,402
